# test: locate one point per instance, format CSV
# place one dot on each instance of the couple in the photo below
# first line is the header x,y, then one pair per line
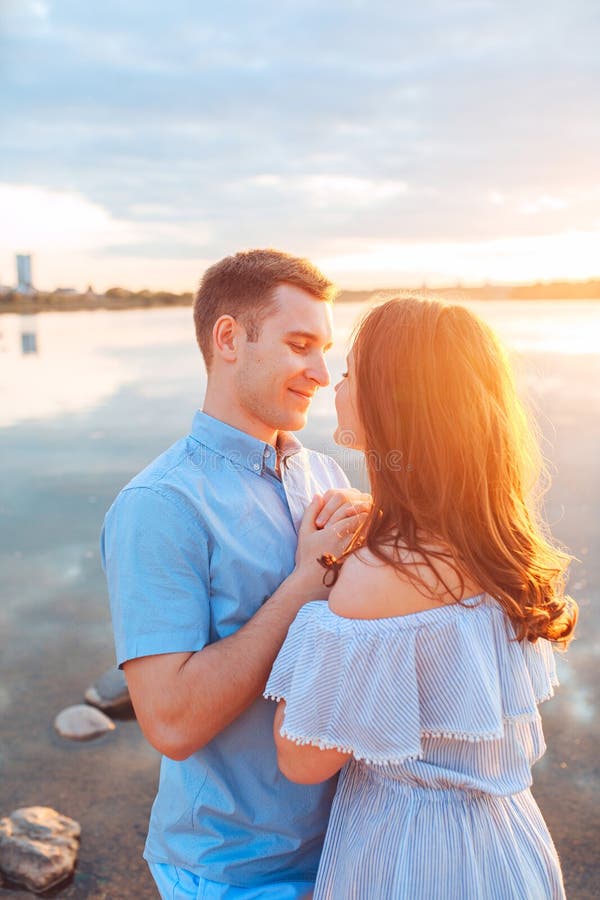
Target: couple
x,y
411,681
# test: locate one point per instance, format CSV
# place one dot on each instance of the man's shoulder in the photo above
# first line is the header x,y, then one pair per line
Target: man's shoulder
x,y
164,479
166,467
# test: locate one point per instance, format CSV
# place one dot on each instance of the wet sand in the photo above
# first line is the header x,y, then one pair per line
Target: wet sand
x,y
52,650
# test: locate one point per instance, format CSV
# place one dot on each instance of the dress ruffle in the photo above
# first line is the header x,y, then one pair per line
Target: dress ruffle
x,y
377,688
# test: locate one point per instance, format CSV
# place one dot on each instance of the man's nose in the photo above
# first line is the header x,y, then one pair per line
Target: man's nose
x,y
319,372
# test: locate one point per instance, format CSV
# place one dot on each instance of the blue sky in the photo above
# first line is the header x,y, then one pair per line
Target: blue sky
x,y
393,143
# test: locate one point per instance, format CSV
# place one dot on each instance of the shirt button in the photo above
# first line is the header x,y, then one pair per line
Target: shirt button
x,y
256,467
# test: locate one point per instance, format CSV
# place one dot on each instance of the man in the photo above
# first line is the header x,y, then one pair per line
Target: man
x,y
199,551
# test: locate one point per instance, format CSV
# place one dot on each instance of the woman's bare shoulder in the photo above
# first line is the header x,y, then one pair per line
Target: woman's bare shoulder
x,y
369,588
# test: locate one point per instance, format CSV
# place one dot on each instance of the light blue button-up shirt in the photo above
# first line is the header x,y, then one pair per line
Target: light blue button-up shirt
x,y
192,547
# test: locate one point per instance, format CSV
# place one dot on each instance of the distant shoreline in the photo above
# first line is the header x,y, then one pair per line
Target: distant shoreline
x,y
119,298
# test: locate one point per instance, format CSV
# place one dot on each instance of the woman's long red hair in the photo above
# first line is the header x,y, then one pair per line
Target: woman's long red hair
x,y
453,461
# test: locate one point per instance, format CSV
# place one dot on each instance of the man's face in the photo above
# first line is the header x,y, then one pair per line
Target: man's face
x,y
277,376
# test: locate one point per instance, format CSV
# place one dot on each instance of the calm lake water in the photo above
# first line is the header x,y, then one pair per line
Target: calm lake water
x,y
86,400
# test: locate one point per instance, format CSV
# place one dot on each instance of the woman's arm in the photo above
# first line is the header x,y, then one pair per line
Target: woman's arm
x,y
304,764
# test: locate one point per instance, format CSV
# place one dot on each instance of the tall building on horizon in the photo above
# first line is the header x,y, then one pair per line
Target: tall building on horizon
x,y
24,285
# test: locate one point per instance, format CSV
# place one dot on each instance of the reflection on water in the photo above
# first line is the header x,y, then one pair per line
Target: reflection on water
x,y
67,362
566,327
29,334
73,361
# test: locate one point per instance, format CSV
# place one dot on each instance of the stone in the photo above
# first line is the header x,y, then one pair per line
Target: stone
x,y
110,692
82,723
38,847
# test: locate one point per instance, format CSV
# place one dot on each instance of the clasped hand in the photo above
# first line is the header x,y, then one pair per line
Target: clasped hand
x,y
329,523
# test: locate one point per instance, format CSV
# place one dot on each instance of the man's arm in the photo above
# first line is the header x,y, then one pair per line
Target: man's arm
x,y
183,700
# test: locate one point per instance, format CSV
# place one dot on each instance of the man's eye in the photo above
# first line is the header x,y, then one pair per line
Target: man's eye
x,y
299,348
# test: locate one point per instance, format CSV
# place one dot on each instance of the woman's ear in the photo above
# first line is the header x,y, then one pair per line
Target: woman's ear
x,y
227,333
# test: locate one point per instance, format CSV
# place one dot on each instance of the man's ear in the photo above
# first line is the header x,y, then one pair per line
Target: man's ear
x,y
227,334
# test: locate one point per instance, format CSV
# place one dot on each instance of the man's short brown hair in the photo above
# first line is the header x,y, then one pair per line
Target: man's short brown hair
x,y
242,286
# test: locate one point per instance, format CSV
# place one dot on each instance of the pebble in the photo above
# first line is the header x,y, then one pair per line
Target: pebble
x,y
109,692
38,847
82,723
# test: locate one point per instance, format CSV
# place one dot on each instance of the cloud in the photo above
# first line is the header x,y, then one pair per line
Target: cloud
x,y
497,198
40,9
303,123
322,191
542,204
56,220
62,220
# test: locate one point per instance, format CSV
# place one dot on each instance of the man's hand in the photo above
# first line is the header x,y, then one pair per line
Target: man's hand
x,y
342,503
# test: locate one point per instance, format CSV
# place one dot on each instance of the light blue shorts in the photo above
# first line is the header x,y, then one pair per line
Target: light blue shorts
x,y
178,884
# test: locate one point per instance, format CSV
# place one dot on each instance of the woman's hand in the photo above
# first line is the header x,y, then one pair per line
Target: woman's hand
x,y
343,503
343,519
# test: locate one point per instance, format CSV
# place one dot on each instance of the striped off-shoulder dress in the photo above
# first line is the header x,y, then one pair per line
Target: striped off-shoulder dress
x,y
439,711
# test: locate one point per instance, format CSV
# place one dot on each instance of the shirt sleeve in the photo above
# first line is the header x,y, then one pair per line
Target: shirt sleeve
x,y
156,560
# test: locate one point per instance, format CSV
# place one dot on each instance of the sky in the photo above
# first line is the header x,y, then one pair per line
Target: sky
x,y
393,143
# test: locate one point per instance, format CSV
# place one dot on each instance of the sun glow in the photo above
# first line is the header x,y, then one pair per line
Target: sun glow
x,y
572,255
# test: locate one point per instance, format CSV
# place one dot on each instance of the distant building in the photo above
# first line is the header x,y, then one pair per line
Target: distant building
x,y
24,284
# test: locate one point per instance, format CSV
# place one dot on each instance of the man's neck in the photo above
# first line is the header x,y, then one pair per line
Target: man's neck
x,y
229,412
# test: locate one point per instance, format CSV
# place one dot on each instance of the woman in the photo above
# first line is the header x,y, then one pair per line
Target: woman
x,y
420,677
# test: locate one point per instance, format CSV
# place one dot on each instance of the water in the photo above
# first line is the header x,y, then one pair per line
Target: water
x,y
86,400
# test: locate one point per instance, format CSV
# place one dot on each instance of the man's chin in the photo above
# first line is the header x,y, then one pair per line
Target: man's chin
x,y
295,422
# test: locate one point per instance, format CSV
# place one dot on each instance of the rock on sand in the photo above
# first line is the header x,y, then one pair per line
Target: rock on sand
x,y
82,723
38,847
109,692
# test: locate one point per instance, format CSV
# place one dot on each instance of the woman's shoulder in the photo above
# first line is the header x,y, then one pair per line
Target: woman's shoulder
x,y
366,587
369,587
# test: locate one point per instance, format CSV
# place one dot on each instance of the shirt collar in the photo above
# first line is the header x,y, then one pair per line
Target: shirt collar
x,y
240,448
